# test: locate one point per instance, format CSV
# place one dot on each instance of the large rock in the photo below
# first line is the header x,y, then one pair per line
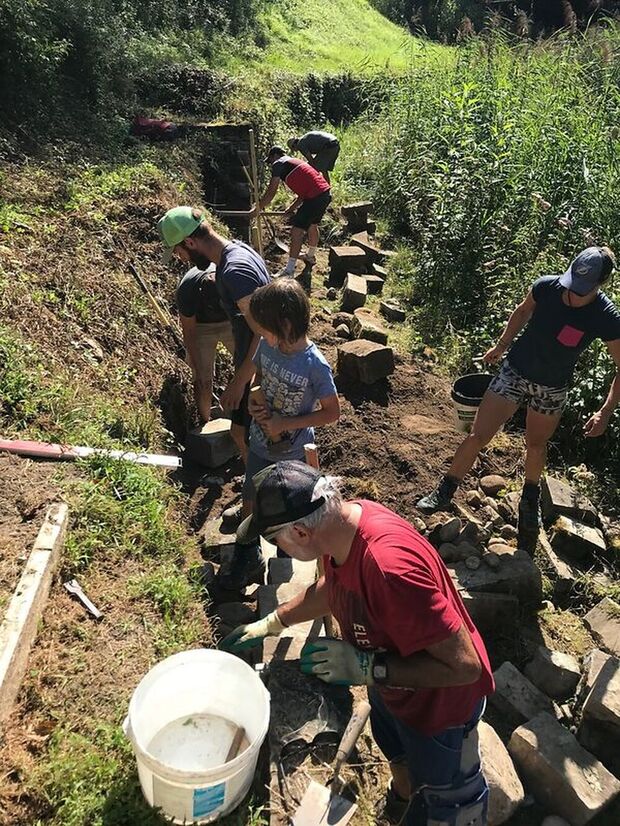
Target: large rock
x,y
564,777
599,731
505,788
211,445
604,624
491,612
365,361
516,697
353,293
343,260
553,672
374,255
374,284
357,215
517,575
366,325
592,664
559,499
576,539
450,530
492,484
392,310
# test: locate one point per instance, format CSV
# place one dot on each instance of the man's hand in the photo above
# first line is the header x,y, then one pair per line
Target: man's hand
x,y
336,661
251,635
596,424
231,397
493,355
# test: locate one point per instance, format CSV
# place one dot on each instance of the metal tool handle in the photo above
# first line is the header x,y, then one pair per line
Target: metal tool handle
x,y
354,728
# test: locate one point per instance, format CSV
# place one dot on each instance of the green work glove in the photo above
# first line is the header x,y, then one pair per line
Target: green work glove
x,y
251,635
337,661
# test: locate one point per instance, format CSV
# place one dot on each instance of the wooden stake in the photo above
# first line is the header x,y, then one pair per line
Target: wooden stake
x,y
254,171
312,458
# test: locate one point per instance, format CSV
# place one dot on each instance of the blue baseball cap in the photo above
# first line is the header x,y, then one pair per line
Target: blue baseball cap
x,y
585,272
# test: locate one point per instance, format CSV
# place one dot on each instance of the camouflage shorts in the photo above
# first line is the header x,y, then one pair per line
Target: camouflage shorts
x,y
516,388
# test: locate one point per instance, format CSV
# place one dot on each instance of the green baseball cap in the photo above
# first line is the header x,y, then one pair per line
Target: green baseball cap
x,y
175,227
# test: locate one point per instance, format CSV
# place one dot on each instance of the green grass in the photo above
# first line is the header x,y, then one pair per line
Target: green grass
x,y
312,35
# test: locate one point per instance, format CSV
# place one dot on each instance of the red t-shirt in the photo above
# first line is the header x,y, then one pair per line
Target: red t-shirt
x,y
394,593
300,177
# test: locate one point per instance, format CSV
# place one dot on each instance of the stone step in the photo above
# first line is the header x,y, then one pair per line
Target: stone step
x,y
353,293
604,624
211,445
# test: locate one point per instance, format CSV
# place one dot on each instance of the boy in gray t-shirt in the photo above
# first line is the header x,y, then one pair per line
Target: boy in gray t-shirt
x,y
298,393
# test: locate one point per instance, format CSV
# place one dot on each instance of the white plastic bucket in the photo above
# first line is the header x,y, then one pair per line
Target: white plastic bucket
x,y
190,693
467,393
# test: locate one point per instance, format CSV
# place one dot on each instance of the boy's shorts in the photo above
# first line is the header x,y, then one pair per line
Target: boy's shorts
x,y
511,385
311,211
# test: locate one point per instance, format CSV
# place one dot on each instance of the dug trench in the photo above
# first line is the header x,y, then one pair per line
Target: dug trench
x,y
392,441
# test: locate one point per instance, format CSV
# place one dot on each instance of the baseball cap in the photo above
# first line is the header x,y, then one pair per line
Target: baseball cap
x,y
585,272
284,494
175,227
274,148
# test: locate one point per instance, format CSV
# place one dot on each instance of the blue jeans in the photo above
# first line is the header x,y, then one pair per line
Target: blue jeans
x,y
447,784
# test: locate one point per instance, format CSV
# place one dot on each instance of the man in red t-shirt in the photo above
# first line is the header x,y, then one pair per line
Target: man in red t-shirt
x,y
406,635
313,197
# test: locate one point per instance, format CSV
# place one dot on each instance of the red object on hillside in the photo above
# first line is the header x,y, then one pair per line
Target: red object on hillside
x,y
154,128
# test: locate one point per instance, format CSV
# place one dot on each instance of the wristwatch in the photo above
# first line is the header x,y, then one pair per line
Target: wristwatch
x,y
379,668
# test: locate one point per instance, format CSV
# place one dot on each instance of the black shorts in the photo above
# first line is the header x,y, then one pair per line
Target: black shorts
x,y
241,415
311,212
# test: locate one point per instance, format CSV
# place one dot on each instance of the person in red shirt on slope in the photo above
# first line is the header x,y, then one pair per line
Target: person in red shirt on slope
x,y
313,197
406,635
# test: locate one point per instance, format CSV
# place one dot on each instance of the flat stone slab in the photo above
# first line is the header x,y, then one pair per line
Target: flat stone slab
x,y
374,254
21,621
281,570
576,540
554,673
563,574
599,731
392,311
211,445
516,575
562,775
365,361
516,697
558,498
290,642
355,208
592,665
505,789
603,621
366,325
354,293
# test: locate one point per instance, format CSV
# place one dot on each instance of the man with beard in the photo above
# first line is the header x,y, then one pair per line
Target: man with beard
x,y
239,270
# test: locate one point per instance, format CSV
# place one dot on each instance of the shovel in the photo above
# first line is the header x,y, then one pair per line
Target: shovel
x,y
322,805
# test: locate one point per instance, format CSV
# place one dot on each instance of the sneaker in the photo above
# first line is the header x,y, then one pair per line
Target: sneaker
x,y
246,567
232,515
440,498
308,259
391,808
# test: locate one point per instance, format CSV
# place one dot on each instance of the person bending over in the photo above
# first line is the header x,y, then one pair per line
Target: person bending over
x,y
320,149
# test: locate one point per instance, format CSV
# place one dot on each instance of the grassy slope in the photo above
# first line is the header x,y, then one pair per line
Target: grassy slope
x,y
312,35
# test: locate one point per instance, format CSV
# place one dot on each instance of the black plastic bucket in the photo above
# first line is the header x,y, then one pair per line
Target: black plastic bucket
x,y
467,393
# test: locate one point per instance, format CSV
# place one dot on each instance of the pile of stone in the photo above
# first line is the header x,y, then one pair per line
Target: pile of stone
x,y
564,729
357,217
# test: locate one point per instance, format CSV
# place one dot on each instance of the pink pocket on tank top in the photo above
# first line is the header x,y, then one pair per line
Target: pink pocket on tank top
x,y
570,336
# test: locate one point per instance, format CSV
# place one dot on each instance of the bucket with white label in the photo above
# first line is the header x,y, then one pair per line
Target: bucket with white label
x,y
467,393
182,719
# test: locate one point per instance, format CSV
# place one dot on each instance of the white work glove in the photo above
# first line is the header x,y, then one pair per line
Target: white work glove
x,y
337,661
251,635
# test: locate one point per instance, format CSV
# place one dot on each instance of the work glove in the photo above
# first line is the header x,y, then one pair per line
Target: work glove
x,y
337,661
252,634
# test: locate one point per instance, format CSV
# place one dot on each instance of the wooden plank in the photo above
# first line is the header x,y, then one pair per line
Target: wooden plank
x,y
19,627
58,452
